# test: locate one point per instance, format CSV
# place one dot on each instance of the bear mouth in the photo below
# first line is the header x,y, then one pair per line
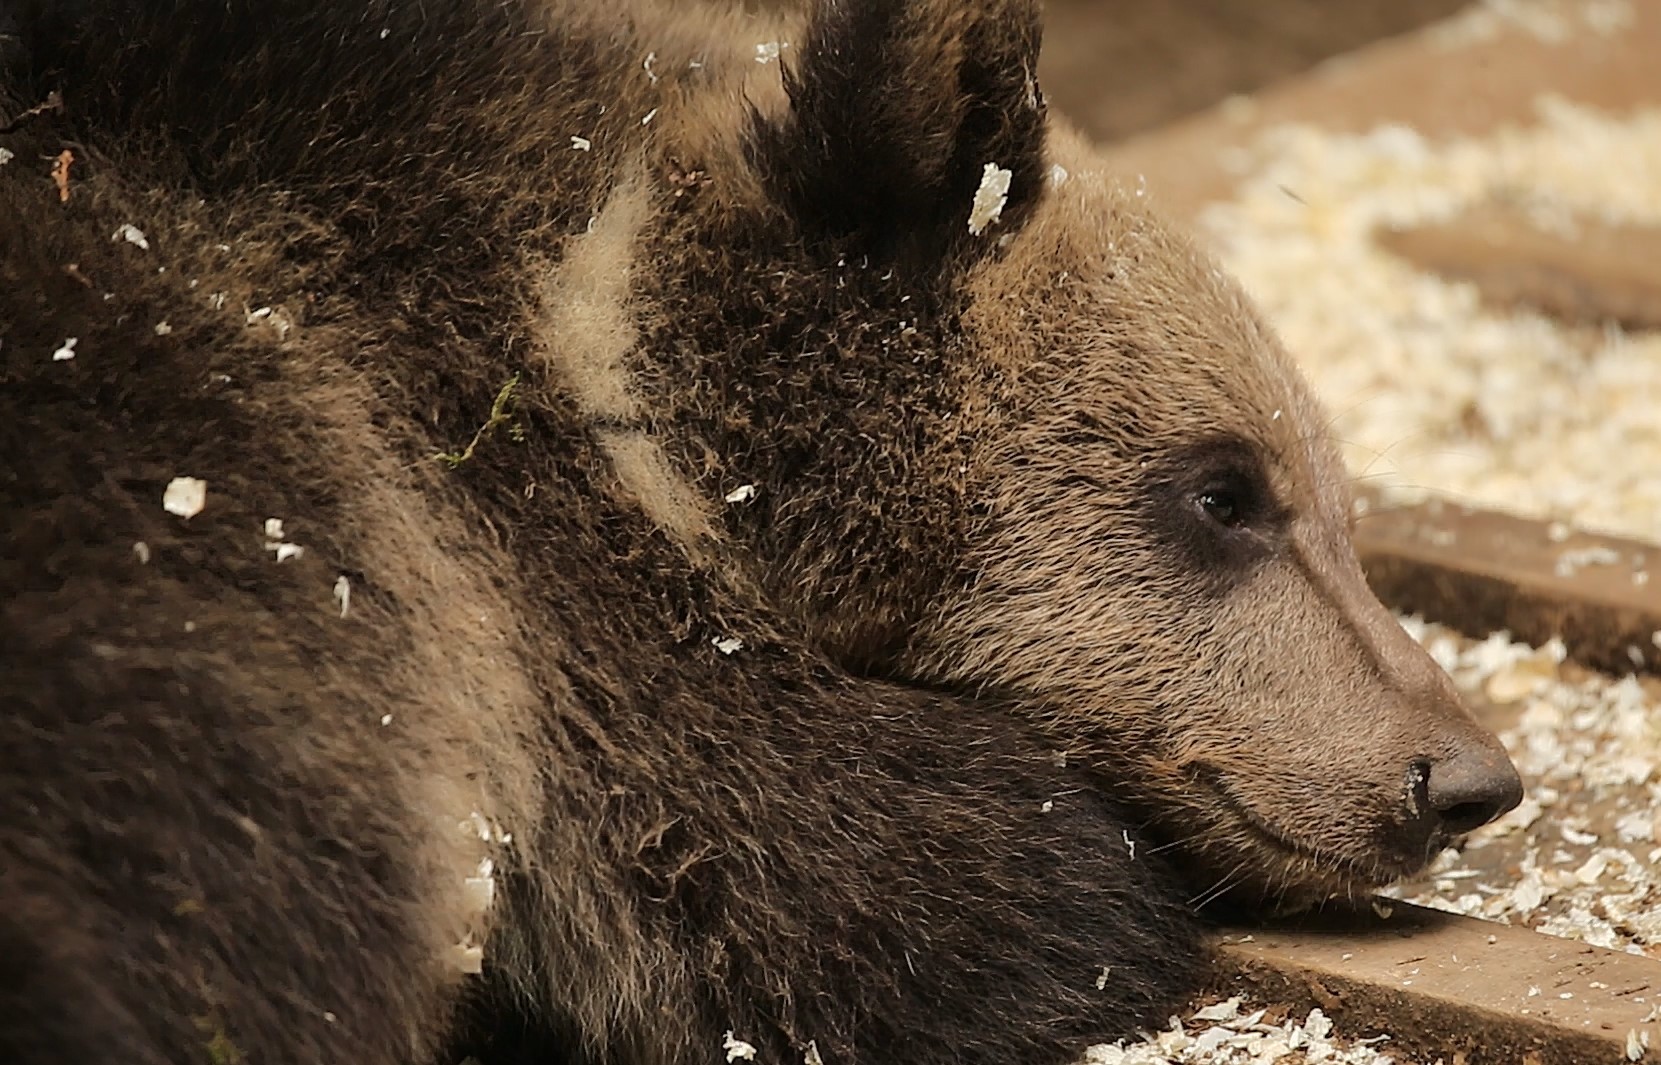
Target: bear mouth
x,y
1333,872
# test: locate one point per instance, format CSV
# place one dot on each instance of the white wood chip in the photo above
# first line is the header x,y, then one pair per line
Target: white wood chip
x,y
185,496
990,197
132,235
737,1049
481,888
1225,1010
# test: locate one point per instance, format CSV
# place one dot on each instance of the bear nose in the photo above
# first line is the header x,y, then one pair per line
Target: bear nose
x,y
1472,788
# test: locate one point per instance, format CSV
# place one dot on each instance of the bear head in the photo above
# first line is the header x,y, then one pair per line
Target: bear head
x,y
984,421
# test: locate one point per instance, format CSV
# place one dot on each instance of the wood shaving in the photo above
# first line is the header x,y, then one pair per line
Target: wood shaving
x,y
990,197
468,958
274,541
185,496
1220,1035
132,235
480,888
737,1049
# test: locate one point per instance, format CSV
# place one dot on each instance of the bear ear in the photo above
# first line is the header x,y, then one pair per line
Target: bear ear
x,y
896,109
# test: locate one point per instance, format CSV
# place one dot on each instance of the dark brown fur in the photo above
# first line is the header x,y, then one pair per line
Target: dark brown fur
x,y
984,652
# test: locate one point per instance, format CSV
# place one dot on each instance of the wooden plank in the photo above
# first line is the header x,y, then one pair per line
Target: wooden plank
x,y
1128,68
1480,572
1582,269
1453,988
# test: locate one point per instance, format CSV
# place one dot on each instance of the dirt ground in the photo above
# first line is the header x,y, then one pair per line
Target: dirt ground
x,y
1118,67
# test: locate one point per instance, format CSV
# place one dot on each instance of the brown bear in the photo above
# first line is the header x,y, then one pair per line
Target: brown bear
x,y
641,534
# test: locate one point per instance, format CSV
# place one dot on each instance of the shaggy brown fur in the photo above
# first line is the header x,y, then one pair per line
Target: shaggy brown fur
x,y
1014,528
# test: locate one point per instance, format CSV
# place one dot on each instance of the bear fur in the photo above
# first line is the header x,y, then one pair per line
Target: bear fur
x,y
665,582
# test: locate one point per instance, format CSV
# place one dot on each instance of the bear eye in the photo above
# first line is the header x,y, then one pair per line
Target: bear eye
x,y
1213,499
1231,501
1222,506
